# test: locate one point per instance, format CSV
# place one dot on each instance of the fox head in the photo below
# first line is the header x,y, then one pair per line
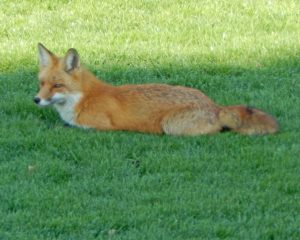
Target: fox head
x,y
58,77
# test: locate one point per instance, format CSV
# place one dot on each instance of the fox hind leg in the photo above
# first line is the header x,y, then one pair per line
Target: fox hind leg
x,y
191,122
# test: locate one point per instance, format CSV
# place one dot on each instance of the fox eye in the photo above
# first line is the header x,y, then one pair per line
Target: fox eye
x,y
58,85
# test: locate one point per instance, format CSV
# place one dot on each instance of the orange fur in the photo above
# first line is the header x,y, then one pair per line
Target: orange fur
x,y
83,100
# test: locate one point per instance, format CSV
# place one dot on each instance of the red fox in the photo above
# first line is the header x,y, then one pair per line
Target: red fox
x,y
83,100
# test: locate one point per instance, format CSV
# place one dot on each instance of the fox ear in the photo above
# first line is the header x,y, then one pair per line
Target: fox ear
x,y
72,60
45,56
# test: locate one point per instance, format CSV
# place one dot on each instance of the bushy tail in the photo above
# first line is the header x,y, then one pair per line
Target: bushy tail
x,y
247,120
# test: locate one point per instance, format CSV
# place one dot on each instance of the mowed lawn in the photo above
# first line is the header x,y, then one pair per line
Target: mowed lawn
x,y
58,182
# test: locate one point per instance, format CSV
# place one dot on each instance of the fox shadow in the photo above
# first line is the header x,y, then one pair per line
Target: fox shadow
x,y
273,86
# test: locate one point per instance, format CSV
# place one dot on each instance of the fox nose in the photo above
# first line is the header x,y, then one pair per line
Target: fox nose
x,y
37,100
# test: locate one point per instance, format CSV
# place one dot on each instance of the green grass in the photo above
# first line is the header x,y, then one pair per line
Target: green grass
x,y
70,183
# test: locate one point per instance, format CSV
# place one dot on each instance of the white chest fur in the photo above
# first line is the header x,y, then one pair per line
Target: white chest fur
x,y
66,110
